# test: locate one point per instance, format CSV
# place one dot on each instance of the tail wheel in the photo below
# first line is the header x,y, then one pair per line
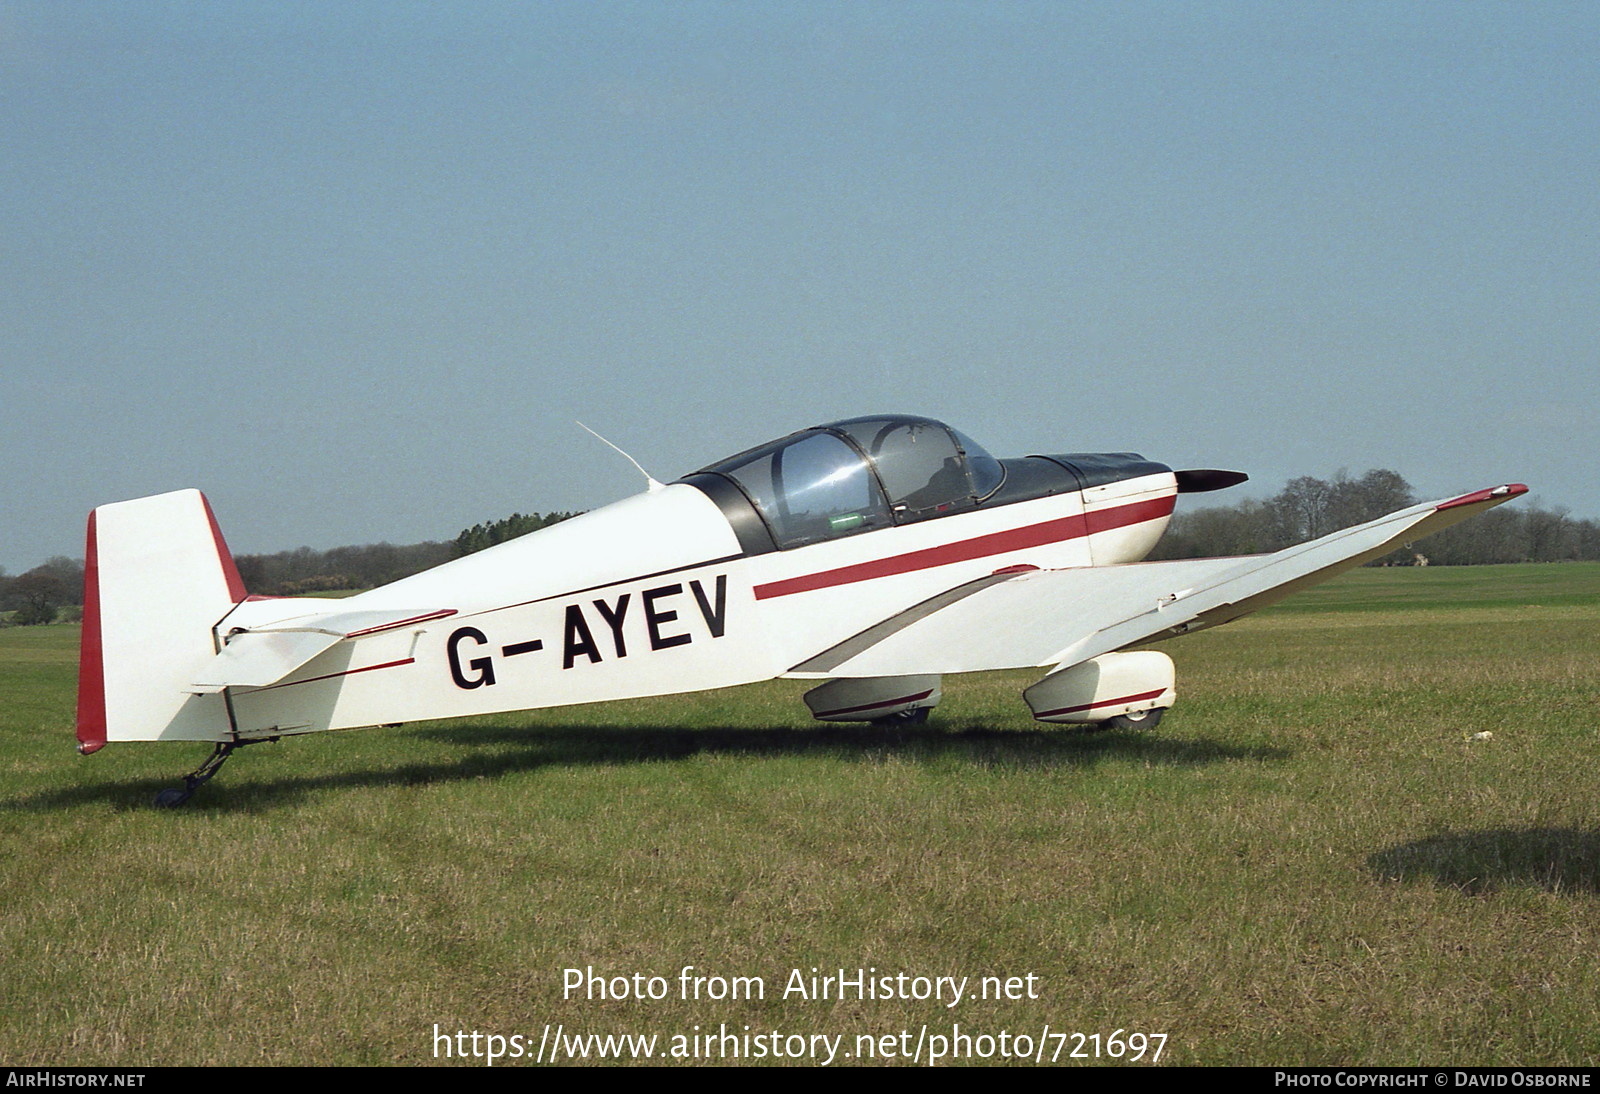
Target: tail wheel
x,y
1139,719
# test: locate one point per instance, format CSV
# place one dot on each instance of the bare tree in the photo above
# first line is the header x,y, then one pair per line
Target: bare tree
x,y
36,595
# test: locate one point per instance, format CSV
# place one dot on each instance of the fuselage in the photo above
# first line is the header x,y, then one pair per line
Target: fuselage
x,y
680,589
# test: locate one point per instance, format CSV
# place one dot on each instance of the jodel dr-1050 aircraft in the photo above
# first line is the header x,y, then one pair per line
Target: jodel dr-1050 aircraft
x,y
876,555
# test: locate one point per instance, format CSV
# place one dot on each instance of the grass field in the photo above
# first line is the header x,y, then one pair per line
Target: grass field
x,y
1311,861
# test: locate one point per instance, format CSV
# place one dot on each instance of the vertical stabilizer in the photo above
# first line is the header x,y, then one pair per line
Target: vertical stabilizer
x,y
157,579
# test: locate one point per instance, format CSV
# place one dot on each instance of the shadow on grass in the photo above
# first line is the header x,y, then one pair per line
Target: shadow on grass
x,y
497,750
1558,860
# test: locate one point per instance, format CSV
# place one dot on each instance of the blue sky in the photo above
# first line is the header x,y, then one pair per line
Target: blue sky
x,y
355,269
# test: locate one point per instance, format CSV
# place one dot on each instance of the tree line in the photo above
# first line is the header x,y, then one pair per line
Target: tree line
x,y
480,536
53,591
50,592
1309,507
303,570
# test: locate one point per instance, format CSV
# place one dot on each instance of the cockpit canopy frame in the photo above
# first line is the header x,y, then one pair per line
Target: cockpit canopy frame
x,y
847,477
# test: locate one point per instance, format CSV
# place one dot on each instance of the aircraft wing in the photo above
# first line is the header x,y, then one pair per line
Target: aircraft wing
x,y
1060,618
266,654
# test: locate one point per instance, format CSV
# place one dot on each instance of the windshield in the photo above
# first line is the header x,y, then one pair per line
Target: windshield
x,y
810,488
918,462
861,474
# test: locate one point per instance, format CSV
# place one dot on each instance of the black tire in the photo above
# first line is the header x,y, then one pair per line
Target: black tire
x,y
1139,719
916,716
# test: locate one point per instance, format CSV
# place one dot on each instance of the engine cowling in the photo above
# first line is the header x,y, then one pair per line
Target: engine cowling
x,y
1104,687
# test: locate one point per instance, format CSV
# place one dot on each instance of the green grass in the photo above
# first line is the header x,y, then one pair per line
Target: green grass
x,y
1449,587
1311,861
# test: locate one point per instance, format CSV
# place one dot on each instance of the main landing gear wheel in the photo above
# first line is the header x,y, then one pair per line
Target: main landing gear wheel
x,y
914,717
1139,719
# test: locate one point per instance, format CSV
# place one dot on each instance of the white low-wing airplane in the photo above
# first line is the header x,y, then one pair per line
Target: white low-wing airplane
x,y
876,554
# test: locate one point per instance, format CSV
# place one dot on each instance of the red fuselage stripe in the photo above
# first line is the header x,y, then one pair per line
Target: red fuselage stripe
x,y
91,659
1015,539
1143,695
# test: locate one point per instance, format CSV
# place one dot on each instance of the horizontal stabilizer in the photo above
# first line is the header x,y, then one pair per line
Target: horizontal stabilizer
x,y
1063,617
265,654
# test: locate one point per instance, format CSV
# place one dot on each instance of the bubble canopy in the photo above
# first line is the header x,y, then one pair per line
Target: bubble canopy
x,y
855,476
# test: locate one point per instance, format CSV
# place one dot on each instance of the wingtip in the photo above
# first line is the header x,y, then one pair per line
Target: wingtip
x,y
1494,493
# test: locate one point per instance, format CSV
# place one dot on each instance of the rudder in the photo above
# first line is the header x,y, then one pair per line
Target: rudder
x,y
157,579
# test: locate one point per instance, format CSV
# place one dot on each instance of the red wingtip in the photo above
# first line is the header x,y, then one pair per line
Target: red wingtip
x,y
91,659
1494,493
